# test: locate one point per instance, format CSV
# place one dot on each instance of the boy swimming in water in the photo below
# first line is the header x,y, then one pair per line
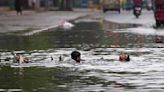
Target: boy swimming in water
x,y
20,59
124,57
75,55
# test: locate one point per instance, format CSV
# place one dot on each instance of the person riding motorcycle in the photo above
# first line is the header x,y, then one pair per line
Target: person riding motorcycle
x,y
137,8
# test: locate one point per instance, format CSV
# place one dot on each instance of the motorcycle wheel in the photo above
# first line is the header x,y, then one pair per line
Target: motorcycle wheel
x,y
137,16
158,24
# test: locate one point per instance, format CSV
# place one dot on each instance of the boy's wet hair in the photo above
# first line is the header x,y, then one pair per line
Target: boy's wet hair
x,y
128,58
75,54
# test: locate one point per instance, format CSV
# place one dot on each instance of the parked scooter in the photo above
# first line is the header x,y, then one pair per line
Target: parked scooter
x,y
137,10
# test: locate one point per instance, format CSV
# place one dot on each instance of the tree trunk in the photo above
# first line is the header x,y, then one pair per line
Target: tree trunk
x,y
66,5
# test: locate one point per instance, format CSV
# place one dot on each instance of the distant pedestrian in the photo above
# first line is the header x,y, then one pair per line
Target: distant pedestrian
x,y
18,6
33,4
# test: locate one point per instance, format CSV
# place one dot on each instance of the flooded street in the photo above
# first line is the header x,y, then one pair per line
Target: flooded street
x,y
100,44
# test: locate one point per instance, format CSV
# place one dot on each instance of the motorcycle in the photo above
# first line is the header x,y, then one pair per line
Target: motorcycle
x,y
137,11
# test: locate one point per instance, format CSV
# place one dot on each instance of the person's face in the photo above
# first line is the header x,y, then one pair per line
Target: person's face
x,y
17,57
124,57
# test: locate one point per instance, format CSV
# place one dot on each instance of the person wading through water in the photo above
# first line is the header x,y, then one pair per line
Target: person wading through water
x,y
18,6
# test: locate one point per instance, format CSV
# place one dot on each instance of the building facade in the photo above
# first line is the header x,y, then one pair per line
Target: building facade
x,y
28,4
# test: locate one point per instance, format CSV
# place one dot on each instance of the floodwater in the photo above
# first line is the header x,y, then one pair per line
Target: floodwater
x,y
100,71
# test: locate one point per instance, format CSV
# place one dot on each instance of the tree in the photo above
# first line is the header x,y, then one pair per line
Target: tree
x,y
66,5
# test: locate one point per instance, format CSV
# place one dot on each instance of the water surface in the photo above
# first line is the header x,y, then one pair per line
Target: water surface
x,y
100,71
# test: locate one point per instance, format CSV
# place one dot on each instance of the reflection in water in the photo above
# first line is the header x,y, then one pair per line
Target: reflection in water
x,y
83,36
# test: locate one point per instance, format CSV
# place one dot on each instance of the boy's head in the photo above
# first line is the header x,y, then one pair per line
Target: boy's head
x,y
75,55
17,57
124,57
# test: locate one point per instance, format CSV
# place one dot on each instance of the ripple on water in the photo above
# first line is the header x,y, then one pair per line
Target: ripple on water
x,y
145,70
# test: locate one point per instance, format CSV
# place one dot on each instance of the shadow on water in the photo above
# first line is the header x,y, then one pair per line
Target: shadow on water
x,y
40,80
85,35
52,79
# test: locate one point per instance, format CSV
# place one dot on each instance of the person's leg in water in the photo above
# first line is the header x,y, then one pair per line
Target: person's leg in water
x,y
20,11
17,7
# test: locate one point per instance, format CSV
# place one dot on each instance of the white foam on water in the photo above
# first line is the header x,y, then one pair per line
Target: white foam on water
x,y
146,62
104,62
146,18
143,31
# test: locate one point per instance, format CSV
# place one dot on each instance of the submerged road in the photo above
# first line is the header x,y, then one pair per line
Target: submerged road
x,y
100,43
